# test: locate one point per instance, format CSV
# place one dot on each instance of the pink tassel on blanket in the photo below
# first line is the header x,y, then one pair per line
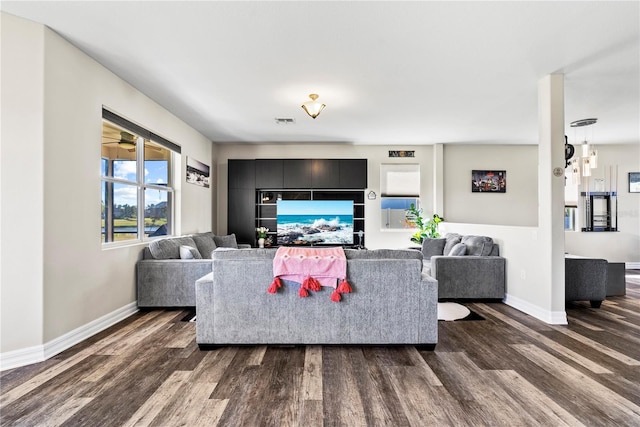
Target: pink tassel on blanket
x,y
303,293
335,296
273,288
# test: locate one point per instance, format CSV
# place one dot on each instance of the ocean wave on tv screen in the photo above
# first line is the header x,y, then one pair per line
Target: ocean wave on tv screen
x,y
302,229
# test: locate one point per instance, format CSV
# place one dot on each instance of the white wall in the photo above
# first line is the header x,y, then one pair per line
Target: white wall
x,y
21,184
53,187
623,245
518,206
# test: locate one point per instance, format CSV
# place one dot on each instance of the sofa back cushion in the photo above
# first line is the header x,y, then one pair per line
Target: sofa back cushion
x,y
169,248
383,254
432,247
228,241
205,243
478,245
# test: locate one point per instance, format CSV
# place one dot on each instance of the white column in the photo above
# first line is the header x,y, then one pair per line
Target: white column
x,y
551,193
438,180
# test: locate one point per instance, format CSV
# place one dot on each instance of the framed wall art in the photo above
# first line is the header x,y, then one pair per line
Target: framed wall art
x,y
197,172
634,182
488,181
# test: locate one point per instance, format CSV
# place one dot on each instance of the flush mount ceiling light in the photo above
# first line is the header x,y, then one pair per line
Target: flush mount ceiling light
x,y
313,107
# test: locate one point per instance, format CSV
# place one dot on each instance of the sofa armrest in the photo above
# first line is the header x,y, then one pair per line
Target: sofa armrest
x,y
169,282
469,276
585,279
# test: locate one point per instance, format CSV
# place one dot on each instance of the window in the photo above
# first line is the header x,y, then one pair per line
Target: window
x,y
399,187
137,193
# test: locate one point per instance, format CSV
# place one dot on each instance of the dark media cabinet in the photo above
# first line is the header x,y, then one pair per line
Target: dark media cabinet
x,y
255,185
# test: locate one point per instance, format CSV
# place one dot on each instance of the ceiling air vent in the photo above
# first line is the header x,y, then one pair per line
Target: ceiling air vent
x,y
285,121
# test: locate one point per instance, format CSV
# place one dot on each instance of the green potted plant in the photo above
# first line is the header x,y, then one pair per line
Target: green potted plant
x,y
425,228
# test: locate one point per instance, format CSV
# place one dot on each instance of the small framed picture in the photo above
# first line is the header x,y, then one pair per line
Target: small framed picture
x,y
634,182
486,181
197,173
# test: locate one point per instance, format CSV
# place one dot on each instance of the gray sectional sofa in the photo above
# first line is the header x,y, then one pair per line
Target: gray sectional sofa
x,y
392,302
167,273
466,267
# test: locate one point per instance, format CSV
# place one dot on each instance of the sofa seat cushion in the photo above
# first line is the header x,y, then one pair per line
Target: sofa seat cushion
x,y
169,248
432,247
205,243
478,245
426,267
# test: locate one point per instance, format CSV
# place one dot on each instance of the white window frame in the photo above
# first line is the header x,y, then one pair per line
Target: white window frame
x,y
141,186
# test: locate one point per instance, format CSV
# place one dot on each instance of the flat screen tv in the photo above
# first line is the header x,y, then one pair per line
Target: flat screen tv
x,y
315,222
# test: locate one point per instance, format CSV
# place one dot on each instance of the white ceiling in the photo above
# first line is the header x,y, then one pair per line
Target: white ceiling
x,y
390,72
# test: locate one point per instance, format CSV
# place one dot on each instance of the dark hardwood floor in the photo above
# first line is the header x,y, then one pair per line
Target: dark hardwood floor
x,y
509,369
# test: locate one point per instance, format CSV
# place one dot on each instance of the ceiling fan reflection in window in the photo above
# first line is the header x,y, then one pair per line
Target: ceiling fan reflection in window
x,y
126,141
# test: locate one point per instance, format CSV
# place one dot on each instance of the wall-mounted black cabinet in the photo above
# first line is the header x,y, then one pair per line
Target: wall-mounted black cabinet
x,y
325,173
353,173
297,173
247,176
269,173
242,174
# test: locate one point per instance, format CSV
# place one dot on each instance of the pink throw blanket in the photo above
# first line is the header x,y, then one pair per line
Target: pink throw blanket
x,y
312,268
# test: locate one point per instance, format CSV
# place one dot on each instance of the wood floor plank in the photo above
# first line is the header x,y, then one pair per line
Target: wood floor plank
x,y
310,414
612,406
537,405
257,355
312,376
186,406
343,404
423,404
594,367
145,415
211,413
584,324
597,346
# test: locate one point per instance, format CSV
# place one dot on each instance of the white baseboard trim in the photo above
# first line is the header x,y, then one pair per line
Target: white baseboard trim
x,y
550,317
40,353
632,265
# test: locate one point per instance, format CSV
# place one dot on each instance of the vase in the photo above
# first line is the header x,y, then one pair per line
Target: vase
x,y
261,242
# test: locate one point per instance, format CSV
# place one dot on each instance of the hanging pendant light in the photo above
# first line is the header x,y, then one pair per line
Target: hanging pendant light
x,y
313,107
589,153
575,169
586,166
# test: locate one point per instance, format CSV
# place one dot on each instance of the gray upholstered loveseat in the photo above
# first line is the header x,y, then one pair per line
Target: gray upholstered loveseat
x,y
466,267
392,302
167,273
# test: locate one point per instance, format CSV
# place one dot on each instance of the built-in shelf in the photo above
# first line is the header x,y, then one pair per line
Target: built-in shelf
x,y
601,211
266,202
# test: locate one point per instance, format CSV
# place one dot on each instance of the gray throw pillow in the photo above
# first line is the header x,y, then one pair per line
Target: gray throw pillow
x,y
169,248
431,247
228,241
452,240
189,252
478,245
205,244
458,249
